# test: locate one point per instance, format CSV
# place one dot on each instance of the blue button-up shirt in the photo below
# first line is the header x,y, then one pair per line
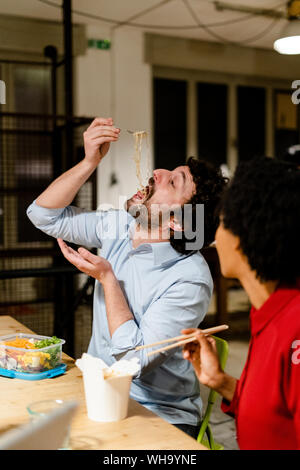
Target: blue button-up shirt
x,y
166,292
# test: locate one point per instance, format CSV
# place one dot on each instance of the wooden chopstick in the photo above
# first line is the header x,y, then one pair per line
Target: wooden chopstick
x,y
189,339
208,331
168,340
171,346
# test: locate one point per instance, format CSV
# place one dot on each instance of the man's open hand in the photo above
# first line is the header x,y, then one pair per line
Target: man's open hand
x,y
85,261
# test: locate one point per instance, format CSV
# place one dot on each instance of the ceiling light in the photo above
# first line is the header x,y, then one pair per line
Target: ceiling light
x,y
289,40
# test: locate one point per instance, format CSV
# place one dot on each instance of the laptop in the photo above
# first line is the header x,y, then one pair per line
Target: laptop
x,y
45,433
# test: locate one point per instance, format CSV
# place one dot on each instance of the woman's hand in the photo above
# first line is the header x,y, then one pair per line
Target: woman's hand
x,y
204,357
85,261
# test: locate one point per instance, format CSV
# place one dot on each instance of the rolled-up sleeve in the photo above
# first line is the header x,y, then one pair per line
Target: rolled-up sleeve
x,y
76,225
184,305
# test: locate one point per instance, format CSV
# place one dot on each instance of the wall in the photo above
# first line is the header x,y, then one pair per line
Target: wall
x,y
29,35
220,58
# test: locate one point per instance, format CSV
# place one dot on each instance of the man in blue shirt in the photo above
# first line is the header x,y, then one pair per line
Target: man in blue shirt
x,y
148,285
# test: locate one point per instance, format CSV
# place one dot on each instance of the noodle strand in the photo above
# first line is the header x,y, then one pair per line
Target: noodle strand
x,y
138,143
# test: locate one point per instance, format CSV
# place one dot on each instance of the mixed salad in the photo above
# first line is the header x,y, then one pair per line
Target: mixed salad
x,y
29,357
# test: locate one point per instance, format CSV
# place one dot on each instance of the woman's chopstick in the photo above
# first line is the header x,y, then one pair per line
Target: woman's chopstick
x,y
168,340
181,339
188,339
171,346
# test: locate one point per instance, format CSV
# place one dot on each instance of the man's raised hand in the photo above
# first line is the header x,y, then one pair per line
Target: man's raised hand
x,y
97,139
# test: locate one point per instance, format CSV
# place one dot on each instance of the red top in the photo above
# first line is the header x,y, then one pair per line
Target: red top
x,y
266,403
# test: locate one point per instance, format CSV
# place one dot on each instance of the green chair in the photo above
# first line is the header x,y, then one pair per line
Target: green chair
x,y
205,435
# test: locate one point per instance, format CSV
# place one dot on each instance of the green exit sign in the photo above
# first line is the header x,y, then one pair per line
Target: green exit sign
x,y
99,43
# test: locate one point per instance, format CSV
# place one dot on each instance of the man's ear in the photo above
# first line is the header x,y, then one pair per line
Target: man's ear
x,y
175,225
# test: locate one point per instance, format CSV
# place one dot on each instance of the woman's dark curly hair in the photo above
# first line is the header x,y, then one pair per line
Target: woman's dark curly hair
x,y
210,184
262,207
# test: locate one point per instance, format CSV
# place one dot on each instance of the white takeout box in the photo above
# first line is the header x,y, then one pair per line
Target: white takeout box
x,y
106,398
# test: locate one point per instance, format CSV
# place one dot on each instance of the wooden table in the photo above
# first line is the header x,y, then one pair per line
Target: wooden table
x,y
142,429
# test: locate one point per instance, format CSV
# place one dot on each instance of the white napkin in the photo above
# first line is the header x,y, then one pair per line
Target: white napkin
x,y
98,367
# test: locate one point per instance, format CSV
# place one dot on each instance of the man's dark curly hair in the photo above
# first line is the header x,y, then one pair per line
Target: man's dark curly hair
x,y
262,207
210,184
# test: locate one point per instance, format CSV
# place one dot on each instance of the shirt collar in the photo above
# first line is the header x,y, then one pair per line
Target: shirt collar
x,y
259,318
163,252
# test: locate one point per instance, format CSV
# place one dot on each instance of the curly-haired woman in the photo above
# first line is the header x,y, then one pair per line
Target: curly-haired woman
x,y
258,243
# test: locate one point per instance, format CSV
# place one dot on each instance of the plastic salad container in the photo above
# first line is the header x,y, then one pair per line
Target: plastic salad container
x,y
30,353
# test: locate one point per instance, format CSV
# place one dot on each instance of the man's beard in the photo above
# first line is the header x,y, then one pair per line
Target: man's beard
x,y
150,217
143,212
139,209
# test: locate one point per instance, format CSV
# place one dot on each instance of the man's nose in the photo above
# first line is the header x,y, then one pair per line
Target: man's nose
x,y
160,175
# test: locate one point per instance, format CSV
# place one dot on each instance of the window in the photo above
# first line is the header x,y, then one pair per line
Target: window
x,y
251,119
228,117
212,122
286,122
170,122
26,148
